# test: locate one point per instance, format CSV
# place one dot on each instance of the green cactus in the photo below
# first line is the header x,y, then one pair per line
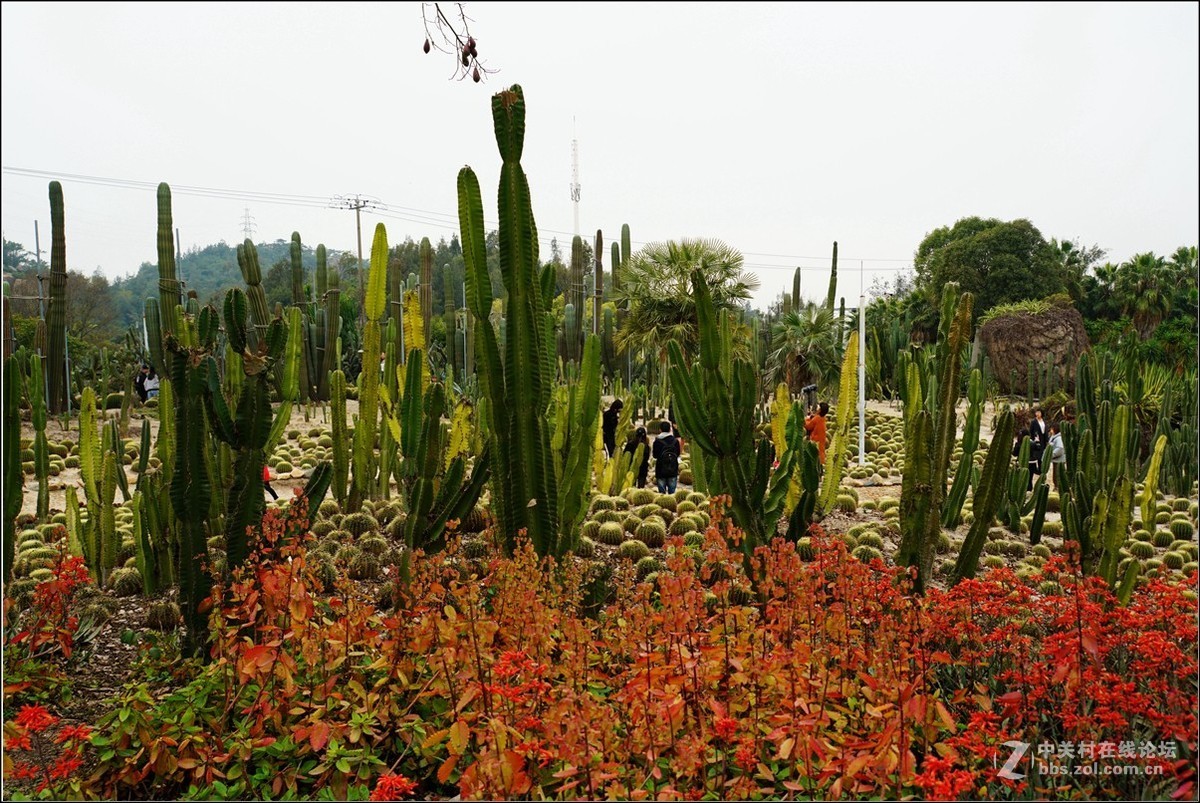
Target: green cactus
x,y
518,387
300,302
364,461
832,283
434,496
577,414
714,402
448,303
598,295
847,399
57,392
35,393
341,440
14,477
957,496
988,493
929,434
426,258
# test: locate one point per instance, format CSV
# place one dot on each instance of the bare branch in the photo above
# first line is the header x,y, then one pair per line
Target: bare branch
x,y
454,37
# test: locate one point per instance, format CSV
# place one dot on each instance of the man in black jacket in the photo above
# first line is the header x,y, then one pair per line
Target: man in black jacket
x,y
611,415
666,459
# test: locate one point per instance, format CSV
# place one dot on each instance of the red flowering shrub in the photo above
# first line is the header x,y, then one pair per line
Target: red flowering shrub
x,y
30,754
836,682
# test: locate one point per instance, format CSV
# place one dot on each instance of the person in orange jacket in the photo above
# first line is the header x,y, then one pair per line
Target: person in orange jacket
x,y
814,425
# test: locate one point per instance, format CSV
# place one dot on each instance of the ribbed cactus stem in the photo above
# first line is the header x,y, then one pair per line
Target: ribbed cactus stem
x,y
832,281
14,477
169,290
987,498
341,440
598,297
300,301
41,450
426,255
56,310
247,257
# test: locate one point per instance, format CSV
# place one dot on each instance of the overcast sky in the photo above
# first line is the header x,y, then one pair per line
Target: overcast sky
x,y
777,128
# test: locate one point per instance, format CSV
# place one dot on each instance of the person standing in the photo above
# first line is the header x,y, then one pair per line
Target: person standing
x,y
267,482
814,425
139,384
151,384
1058,457
666,459
640,438
1038,438
609,426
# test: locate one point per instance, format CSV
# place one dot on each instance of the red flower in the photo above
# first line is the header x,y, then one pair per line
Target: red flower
x,y
80,732
393,787
18,741
726,728
35,718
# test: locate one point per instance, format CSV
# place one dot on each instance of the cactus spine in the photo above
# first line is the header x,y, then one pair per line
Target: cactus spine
x,y
56,310
517,387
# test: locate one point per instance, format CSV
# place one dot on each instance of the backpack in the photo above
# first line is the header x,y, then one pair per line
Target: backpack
x,y
667,464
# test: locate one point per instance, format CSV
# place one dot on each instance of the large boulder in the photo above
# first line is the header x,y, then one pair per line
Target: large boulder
x,y
1014,335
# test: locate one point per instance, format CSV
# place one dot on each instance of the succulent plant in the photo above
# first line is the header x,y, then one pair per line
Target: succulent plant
x,y
633,550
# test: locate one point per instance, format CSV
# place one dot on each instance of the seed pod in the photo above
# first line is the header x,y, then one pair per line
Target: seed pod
x,y
475,75
471,46
466,57
426,45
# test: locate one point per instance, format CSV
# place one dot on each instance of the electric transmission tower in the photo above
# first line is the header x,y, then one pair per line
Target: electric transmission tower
x,y
248,225
575,188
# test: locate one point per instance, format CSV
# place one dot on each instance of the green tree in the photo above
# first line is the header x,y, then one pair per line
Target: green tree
x,y
806,347
997,262
16,259
657,286
1144,288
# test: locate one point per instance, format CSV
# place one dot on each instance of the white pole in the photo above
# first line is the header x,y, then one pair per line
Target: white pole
x,y
862,369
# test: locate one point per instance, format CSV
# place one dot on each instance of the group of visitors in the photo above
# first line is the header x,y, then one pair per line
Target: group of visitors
x,y
1043,436
667,446
146,383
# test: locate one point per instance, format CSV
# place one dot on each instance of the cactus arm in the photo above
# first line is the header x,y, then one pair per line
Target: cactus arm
x,y
987,498
56,310
1151,486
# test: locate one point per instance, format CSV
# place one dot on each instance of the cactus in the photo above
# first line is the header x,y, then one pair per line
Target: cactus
x,y
57,392
517,387
987,498
14,477
300,301
368,381
1151,485
577,414
341,440
426,289
452,357
832,282
714,402
247,258
929,434
154,330
1019,500
957,496
847,399
434,495
35,392
598,296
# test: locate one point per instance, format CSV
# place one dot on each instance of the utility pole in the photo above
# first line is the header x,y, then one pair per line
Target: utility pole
x,y
248,225
862,369
358,203
575,188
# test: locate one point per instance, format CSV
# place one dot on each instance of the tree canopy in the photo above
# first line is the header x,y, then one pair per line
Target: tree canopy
x,y
998,262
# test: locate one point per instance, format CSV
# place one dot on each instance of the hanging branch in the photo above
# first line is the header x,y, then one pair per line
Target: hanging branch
x,y
445,36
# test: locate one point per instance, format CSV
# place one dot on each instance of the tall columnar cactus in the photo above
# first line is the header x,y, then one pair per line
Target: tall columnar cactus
x,y
931,394
169,290
573,325
300,301
615,266
608,349
518,387
14,477
577,414
396,289
247,258
847,401
598,296
450,315
988,493
35,390
341,440
715,401
1021,497
56,310
426,287
832,282
365,464
154,329
796,289
957,496
333,328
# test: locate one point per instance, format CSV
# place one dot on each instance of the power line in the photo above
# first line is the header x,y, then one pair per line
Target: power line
x,y
423,217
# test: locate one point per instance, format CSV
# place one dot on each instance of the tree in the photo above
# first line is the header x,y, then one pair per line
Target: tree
x,y
657,287
996,261
1076,261
806,347
91,313
16,259
1144,286
452,34
277,284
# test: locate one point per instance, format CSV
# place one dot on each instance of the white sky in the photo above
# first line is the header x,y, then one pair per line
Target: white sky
x,y
778,128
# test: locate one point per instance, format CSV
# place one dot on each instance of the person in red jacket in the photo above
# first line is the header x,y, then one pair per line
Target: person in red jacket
x,y
814,425
267,482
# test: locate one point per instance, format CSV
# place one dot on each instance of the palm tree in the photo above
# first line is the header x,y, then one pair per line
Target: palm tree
x,y
806,347
657,285
1144,286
